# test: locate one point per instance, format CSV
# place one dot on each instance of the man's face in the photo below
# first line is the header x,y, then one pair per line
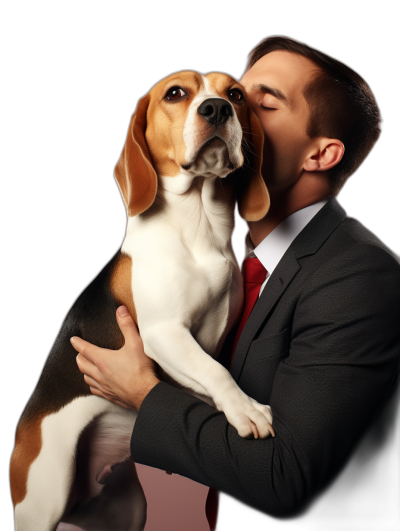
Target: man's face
x,y
274,86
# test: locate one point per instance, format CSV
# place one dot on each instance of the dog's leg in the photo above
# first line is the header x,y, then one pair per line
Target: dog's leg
x,y
107,494
121,506
50,476
174,348
123,500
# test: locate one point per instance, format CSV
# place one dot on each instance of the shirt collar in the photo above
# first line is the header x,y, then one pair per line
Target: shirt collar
x,y
273,247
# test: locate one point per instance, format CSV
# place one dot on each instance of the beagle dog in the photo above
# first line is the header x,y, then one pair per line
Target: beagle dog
x,y
177,274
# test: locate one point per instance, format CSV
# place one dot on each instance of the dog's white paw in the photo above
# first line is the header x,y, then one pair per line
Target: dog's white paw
x,y
249,417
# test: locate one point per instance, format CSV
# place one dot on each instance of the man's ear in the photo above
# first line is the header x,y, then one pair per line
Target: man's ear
x,y
326,154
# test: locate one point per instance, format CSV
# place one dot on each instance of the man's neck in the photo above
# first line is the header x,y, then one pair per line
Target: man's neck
x,y
310,189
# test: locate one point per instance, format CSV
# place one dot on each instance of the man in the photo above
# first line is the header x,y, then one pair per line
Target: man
x,y
322,343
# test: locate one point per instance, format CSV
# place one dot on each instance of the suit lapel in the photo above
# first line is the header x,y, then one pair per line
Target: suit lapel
x,y
306,243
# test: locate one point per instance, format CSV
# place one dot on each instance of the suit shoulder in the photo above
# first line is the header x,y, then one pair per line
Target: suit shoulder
x,y
367,240
354,252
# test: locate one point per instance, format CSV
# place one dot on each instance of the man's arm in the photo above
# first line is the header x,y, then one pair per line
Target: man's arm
x,y
343,360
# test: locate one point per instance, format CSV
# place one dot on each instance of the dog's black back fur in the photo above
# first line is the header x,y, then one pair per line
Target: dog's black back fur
x,y
92,317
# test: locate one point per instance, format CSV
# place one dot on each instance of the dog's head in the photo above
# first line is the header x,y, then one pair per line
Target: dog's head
x,y
193,125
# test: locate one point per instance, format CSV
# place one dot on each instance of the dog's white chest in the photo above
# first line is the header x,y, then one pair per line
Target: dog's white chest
x,y
183,268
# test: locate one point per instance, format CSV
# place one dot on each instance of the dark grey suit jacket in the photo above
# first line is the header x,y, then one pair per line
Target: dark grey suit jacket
x,y
321,346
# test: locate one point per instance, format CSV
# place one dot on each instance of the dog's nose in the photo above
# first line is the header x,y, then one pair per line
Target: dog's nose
x,y
216,110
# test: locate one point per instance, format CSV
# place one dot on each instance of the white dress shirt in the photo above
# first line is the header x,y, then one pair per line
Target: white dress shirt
x,y
274,246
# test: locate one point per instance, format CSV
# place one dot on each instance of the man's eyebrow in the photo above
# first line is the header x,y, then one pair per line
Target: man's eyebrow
x,y
260,87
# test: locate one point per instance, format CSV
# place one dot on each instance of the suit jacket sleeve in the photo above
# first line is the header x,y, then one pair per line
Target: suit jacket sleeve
x,y
342,363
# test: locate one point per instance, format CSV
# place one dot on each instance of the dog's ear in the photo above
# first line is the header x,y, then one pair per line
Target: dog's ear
x,y
251,190
134,171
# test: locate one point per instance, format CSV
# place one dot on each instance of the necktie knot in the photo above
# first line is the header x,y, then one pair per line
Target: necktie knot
x,y
253,271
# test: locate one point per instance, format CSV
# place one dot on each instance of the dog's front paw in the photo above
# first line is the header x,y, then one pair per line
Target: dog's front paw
x,y
249,417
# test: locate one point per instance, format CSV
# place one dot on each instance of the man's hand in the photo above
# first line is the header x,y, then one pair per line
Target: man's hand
x,y
122,376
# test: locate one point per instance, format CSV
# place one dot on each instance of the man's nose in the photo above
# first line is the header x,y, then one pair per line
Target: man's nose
x,y
215,110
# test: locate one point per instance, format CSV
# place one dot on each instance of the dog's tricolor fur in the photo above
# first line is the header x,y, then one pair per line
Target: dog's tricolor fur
x,y
177,274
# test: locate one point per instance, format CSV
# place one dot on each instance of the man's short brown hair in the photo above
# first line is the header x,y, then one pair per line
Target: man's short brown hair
x,y
341,105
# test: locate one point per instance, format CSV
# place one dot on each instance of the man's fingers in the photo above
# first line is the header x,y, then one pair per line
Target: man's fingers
x,y
91,381
127,325
89,351
89,369
82,346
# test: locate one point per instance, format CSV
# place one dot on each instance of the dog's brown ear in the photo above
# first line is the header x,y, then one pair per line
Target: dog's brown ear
x,y
134,171
251,191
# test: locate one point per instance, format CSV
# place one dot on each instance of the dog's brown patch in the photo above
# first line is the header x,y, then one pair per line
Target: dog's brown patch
x,y
221,83
166,122
121,284
28,443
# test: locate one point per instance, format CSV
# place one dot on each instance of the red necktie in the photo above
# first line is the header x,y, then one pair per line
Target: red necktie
x,y
254,275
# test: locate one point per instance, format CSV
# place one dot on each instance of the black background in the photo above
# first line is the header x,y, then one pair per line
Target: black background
x,y
72,83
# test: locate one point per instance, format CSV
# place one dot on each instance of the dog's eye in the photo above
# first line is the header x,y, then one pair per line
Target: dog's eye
x,y
236,95
175,93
